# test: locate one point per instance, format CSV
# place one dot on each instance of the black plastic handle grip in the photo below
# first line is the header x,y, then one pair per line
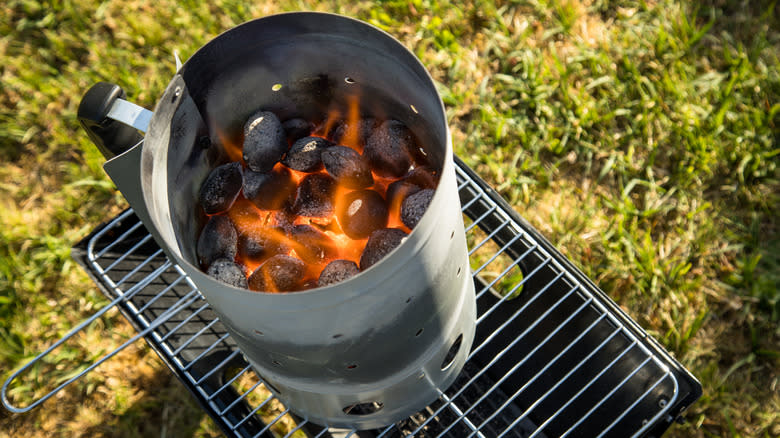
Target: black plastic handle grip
x,y
110,136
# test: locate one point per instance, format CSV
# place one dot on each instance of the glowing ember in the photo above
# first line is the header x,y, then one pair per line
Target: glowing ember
x,y
280,273
315,196
269,190
308,212
347,167
361,212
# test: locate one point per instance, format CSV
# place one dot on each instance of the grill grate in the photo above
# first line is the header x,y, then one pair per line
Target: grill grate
x,y
552,355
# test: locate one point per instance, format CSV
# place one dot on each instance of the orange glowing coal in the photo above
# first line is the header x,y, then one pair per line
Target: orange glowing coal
x,y
315,236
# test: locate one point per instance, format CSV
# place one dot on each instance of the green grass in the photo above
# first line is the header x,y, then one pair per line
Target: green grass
x,y
641,137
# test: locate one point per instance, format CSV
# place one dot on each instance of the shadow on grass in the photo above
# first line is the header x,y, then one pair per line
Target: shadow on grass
x,y
165,409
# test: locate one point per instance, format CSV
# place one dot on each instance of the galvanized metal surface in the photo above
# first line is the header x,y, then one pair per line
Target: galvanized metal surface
x,y
361,353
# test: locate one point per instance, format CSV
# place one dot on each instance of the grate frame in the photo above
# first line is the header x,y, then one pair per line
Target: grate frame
x,y
553,355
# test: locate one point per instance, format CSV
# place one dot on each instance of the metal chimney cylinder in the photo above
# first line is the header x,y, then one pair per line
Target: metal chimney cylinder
x,y
381,345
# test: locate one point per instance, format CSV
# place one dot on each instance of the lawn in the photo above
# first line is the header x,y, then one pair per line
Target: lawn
x,y
641,137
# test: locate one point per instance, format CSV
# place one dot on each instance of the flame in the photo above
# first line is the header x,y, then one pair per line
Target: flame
x,y
351,135
276,225
331,121
235,152
296,176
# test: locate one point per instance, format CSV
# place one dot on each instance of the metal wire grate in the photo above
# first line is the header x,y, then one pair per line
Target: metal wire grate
x,y
552,355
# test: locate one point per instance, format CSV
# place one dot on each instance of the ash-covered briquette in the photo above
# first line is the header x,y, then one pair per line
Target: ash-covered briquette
x,y
280,273
380,243
314,197
269,190
337,271
220,188
362,212
284,218
414,206
218,239
261,244
388,149
228,271
305,154
311,244
264,141
366,127
347,167
296,129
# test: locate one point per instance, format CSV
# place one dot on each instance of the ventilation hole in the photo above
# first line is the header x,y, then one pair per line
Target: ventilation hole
x,y
271,387
258,332
338,335
452,234
419,332
349,80
453,351
408,300
276,362
352,367
414,109
276,87
363,408
457,274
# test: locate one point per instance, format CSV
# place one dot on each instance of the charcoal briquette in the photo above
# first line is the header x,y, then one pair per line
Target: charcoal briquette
x,y
337,271
414,206
227,271
361,212
388,149
264,141
218,239
269,190
380,243
261,244
220,188
365,128
417,179
284,218
311,244
347,167
296,129
399,190
314,197
423,176
280,273
305,154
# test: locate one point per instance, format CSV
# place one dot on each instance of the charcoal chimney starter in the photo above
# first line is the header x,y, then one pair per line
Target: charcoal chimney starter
x,y
370,350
